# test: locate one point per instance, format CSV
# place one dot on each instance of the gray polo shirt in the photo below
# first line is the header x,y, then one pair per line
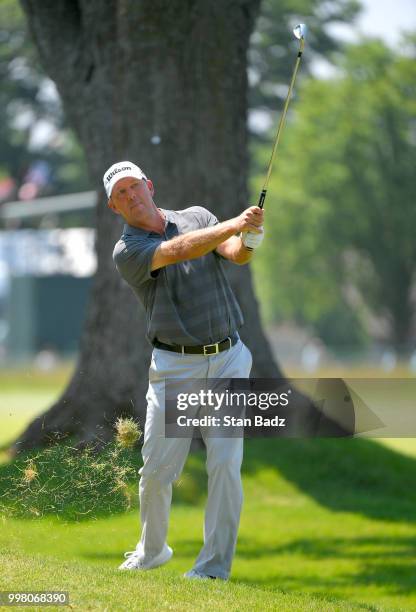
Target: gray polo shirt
x,y
187,303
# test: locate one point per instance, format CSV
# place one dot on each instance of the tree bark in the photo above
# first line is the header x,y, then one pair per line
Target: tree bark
x,y
127,71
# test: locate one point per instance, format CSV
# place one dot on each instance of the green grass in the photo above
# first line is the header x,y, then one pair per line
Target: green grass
x,y
105,589
326,525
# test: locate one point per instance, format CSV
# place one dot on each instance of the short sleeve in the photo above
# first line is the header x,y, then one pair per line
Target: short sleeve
x,y
206,219
133,258
204,216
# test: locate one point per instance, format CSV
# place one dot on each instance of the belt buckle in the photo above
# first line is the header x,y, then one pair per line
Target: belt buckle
x,y
208,346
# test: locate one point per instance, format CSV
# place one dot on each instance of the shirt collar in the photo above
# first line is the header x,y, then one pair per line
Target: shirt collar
x,y
138,231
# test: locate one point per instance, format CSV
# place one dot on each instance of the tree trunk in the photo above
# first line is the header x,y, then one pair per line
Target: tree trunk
x,y
128,71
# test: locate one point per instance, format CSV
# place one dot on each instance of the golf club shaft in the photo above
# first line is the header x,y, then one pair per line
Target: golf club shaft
x,y
280,126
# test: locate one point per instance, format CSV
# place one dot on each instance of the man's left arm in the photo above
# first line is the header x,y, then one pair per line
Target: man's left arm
x,y
238,249
234,250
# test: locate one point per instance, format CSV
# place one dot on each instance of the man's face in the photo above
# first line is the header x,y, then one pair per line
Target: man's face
x,y
132,199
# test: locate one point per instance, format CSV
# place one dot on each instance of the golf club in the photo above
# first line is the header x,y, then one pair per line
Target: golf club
x,y
300,33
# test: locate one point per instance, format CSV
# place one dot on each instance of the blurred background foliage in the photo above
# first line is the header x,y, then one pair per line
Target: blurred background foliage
x,y
35,141
273,47
339,252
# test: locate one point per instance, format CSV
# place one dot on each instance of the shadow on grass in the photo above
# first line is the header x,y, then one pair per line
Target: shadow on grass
x,y
395,577
339,548
384,562
343,475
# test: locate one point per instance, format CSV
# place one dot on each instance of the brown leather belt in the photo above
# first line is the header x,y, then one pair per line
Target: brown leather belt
x,y
202,349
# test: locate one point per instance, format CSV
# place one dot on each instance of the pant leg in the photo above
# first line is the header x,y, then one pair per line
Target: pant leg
x,y
163,461
223,509
163,458
225,494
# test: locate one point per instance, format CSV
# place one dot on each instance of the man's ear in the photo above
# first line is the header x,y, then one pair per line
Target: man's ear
x,y
151,187
111,205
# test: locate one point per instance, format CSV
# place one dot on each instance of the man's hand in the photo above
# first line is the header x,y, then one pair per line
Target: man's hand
x,y
250,220
252,240
240,249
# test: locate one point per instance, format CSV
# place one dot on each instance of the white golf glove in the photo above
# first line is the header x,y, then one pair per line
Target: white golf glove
x,y
251,240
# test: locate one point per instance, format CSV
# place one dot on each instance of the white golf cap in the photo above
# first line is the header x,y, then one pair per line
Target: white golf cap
x,y
118,171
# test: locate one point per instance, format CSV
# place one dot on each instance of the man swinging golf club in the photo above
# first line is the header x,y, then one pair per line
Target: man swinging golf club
x,y
173,262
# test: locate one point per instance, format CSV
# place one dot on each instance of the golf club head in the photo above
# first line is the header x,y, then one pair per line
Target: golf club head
x,y
300,31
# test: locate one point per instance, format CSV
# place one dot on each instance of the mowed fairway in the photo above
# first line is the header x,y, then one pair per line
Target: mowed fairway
x,y
326,525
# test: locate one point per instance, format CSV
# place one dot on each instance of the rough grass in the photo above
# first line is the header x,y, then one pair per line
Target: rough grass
x,y
105,589
68,483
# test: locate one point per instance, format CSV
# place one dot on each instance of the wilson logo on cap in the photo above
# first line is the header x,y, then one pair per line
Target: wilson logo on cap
x,y
115,171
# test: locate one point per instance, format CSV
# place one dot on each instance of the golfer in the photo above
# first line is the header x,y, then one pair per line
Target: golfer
x,y
173,262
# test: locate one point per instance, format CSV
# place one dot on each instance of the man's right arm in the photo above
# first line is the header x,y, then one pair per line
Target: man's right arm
x,y
200,242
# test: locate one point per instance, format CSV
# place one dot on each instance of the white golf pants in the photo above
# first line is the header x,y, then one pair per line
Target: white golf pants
x,y
164,458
